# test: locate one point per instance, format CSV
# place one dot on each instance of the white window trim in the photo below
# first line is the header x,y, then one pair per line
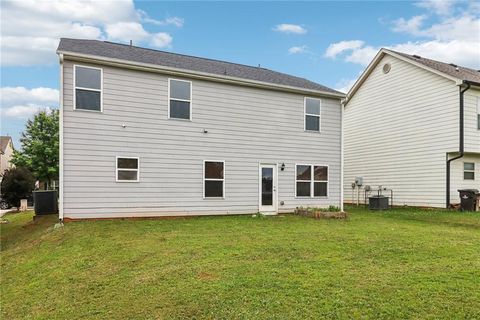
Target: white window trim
x,y
137,170
88,89
305,114
184,100
210,179
312,181
474,175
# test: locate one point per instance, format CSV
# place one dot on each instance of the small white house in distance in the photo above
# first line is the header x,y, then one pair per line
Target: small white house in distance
x,y
6,154
413,125
152,133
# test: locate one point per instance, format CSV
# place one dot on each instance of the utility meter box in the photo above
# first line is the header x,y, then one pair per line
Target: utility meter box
x,y
359,181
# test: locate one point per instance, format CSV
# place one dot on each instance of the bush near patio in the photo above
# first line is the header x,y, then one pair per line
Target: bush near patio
x,y
398,264
17,183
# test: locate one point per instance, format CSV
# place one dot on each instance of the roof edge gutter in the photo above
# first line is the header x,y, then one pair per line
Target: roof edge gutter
x,y
461,134
192,74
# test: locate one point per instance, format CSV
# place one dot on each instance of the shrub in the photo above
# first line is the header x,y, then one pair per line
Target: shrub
x,y
17,184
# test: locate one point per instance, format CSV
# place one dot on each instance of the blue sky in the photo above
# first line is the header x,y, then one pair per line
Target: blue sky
x,y
326,42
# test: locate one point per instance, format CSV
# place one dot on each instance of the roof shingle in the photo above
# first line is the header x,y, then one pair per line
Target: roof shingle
x,y
453,70
142,55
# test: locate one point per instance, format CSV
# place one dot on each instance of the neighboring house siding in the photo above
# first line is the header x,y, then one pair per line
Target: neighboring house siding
x,y
5,158
398,128
245,126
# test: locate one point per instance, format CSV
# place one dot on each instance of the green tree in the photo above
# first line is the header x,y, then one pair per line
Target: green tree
x,y
40,147
17,184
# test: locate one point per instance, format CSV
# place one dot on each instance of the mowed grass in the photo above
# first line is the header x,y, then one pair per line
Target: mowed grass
x,y
399,264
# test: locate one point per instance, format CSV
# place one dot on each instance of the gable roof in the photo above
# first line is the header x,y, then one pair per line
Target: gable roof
x,y
132,54
4,140
459,72
453,72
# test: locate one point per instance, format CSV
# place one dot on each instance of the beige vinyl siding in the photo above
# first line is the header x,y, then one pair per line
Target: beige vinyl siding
x,y
246,126
472,133
457,181
398,128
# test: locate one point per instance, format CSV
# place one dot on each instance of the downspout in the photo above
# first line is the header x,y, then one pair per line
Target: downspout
x,y
60,178
342,104
461,141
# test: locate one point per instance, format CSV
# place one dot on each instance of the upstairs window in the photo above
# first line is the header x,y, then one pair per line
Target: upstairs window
x,y
311,181
469,171
180,99
88,88
312,114
213,179
128,169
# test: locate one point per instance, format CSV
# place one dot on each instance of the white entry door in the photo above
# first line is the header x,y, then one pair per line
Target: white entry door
x,y
268,188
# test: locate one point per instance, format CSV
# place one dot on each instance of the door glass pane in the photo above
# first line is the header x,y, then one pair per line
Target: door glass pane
x,y
267,186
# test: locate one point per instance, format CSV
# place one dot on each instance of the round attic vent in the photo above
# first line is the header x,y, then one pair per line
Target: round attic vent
x,y
386,68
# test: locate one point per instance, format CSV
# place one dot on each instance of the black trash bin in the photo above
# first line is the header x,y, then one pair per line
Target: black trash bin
x,y
45,202
468,199
379,202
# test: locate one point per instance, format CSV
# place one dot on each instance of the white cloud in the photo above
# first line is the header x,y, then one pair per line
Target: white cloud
x,y
161,40
22,103
23,111
31,29
290,28
20,95
440,7
463,53
452,39
362,55
463,27
122,30
411,25
344,85
335,49
297,50
175,21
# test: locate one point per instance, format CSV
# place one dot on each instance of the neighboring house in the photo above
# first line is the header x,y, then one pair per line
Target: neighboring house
x,y
152,133
6,153
407,120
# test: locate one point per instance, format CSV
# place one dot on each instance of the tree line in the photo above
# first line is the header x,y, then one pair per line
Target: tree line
x,y
37,160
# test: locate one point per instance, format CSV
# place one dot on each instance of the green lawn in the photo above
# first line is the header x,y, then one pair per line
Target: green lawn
x,y
405,263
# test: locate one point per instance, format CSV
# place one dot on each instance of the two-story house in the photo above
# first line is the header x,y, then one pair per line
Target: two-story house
x,y
413,125
151,133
